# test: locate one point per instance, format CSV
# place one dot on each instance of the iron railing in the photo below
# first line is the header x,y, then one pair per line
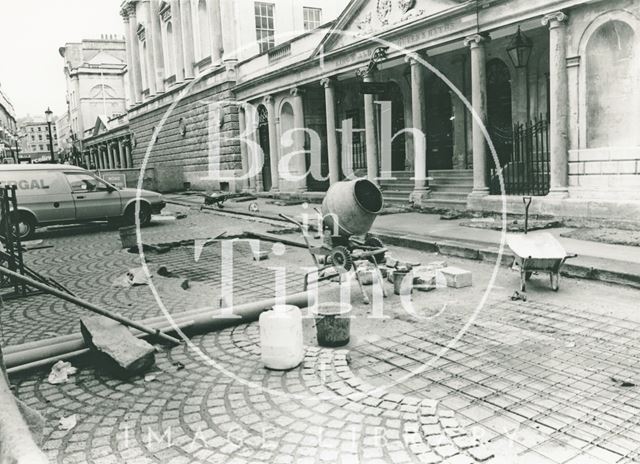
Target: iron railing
x,y
526,172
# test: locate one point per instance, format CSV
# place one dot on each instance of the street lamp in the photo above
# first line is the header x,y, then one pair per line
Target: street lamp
x,y
519,49
49,115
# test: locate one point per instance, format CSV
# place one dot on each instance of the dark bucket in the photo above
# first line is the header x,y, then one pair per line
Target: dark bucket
x,y
333,324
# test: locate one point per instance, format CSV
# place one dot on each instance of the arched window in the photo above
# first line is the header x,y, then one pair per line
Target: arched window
x,y
204,29
611,87
169,51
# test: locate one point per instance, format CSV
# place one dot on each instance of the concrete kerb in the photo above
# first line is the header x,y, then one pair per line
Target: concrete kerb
x,y
490,255
460,249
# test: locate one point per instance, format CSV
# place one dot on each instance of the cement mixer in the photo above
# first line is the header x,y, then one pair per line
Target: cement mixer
x,y
348,212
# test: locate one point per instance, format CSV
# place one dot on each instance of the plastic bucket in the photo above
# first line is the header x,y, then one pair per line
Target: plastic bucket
x,y
128,236
333,324
402,282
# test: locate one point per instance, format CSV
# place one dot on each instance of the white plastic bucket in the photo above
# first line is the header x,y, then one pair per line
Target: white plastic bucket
x,y
281,340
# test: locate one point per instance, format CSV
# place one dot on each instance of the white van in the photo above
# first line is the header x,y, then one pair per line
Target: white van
x,y
51,194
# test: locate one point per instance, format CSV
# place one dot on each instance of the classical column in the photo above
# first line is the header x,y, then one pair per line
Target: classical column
x,y
559,97
246,184
121,154
156,45
228,19
251,124
479,102
187,38
418,111
216,31
128,150
371,134
176,23
300,162
273,143
149,55
332,135
127,29
135,53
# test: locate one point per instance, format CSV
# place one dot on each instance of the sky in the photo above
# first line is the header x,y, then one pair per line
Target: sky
x,y
31,32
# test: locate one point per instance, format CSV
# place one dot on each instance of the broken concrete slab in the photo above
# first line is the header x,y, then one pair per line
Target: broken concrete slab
x,y
456,277
117,350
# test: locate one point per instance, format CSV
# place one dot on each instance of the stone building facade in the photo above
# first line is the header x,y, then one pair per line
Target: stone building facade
x,y
35,141
95,77
523,97
9,146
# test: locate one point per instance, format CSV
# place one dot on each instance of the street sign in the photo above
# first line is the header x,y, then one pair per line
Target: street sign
x,y
116,179
374,88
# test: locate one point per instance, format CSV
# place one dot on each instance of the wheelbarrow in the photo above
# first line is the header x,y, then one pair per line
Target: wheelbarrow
x,y
540,253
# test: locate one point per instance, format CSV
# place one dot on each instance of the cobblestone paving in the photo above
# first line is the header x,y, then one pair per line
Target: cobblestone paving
x,y
319,412
89,261
542,383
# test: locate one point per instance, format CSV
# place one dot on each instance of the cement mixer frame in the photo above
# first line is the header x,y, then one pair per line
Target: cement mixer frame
x,y
343,256
348,212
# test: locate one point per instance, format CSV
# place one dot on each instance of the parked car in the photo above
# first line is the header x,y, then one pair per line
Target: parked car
x,y
50,194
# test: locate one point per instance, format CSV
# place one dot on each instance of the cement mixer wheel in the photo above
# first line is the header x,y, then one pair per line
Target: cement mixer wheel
x,y
374,242
341,259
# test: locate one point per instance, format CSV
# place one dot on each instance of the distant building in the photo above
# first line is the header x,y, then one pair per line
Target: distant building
x,y
34,140
95,75
65,140
8,129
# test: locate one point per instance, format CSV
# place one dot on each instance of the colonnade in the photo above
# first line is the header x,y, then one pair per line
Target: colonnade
x,y
111,154
419,106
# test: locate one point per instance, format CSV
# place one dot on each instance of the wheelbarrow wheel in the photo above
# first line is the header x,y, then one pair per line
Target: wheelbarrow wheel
x,y
341,259
374,242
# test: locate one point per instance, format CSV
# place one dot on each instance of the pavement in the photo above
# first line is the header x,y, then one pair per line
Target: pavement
x,y
453,376
595,261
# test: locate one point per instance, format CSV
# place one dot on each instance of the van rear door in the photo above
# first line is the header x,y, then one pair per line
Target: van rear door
x,y
94,199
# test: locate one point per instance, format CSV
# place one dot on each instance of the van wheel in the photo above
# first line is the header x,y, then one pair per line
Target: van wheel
x,y
145,215
26,226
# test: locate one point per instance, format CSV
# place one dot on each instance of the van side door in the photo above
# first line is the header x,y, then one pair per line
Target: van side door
x,y
93,198
46,194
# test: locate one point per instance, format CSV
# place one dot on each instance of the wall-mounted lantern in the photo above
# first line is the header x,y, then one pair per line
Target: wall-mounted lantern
x,y
519,49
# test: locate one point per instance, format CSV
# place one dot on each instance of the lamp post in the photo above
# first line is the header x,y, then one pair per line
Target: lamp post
x,y
49,115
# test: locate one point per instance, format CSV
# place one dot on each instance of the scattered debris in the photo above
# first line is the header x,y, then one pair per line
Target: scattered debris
x,y
163,271
260,255
185,285
60,372
163,218
150,249
254,208
517,296
137,276
181,215
150,377
424,279
286,202
69,422
118,350
456,278
178,365
623,383
451,215
218,199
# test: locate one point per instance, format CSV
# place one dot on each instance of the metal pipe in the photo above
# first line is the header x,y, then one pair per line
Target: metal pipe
x,y
42,353
87,305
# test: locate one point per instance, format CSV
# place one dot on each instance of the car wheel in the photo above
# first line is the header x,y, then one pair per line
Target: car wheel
x,y
144,216
26,226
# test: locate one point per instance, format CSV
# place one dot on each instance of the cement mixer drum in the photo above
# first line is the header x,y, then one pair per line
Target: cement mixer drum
x,y
351,207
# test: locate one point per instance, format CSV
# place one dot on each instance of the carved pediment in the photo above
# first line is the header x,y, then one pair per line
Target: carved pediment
x,y
369,17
